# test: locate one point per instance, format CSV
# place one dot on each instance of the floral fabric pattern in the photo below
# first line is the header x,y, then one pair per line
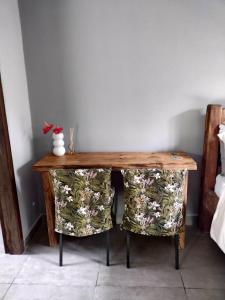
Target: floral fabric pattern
x,y
153,201
83,201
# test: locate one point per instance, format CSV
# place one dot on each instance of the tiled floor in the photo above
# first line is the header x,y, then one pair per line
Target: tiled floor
x,y
84,276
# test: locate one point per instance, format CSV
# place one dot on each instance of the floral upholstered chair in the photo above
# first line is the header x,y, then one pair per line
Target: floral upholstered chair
x,y
153,204
83,202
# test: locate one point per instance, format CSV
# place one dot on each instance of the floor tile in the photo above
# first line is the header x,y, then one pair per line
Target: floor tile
x,y
47,292
150,275
203,264
204,277
136,293
202,251
10,265
45,270
81,260
205,294
3,289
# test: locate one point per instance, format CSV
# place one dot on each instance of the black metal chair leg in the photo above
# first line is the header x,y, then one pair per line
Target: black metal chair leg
x,y
176,242
115,199
60,249
128,248
107,248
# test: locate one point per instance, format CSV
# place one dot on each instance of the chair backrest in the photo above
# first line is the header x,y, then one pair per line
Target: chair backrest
x,y
83,200
153,201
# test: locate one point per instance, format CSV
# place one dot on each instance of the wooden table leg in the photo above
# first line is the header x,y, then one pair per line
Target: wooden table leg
x,y
182,234
50,208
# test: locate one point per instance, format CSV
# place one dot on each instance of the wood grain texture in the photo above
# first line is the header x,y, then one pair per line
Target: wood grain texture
x,y
210,161
223,116
9,207
50,208
117,160
182,234
211,202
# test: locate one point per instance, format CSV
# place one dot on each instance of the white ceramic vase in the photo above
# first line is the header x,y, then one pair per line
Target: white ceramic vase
x,y
58,144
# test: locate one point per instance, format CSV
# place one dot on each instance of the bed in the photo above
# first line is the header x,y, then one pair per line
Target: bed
x,y
212,209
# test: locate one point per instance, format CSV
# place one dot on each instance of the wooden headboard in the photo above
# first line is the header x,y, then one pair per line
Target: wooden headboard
x,y
215,115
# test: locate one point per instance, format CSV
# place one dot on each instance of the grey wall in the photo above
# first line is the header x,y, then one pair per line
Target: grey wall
x,y
129,75
13,76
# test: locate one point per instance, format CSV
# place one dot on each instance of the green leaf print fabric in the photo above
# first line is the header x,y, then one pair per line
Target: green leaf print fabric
x,y
153,201
83,201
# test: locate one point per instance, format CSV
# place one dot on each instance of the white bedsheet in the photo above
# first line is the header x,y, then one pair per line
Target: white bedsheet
x,y
217,231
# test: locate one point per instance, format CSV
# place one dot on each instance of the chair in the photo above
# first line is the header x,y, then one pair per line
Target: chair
x,y
153,204
83,202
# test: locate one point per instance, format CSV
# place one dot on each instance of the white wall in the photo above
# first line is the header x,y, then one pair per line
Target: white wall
x,y
128,74
13,75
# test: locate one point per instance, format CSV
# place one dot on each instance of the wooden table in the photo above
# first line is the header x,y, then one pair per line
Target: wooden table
x,y
114,160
